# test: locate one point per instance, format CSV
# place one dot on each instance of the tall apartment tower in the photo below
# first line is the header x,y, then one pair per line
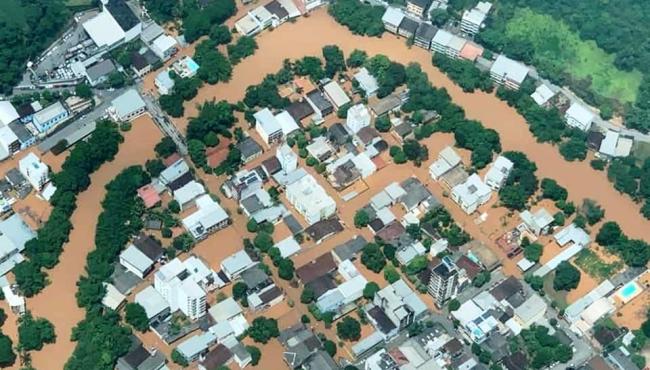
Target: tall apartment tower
x,y
444,281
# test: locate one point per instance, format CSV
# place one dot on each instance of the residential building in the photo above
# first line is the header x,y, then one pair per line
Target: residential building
x,y
14,233
164,83
280,14
508,72
249,149
367,82
164,46
196,347
188,193
471,51
446,43
537,223
141,255
268,126
398,306
185,67
208,218
320,149
299,344
217,358
358,118
392,19
319,103
98,73
335,93
424,36
139,358
287,123
143,61
418,7
114,25
531,311
127,106
8,113
48,117
154,304
235,264
474,18
36,172
310,199
471,194
579,116
15,137
230,313
542,95
615,145
184,285
498,173
447,160
444,281
174,172
407,28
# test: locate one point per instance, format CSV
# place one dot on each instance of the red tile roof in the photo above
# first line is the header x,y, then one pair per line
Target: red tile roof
x,y
149,195
171,159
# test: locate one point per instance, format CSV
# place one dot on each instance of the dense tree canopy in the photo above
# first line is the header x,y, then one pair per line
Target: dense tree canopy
x,y
360,18
213,66
265,95
200,16
7,355
348,329
464,73
244,47
373,258
136,316
33,333
542,348
521,184
262,329
334,60
567,277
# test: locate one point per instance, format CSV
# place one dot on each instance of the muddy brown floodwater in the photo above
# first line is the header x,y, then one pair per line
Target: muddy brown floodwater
x,y
308,35
57,302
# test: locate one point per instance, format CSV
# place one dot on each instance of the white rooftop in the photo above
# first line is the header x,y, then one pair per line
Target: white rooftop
x,y
152,301
127,103
188,192
209,213
366,81
580,113
542,94
112,299
608,145
288,247
8,113
442,37
267,121
287,123
510,69
104,30
393,16
474,16
572,233
237,261
225,310
136,258
358,118
164,42
334,91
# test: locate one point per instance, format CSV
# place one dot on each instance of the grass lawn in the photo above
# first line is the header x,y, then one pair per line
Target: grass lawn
x,y
11,11
589,262
641,151
557,48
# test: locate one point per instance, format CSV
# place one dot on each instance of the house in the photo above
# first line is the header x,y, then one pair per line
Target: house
x,y
243,184
579,116
300,110
127,106
498,173
249,149
320,149
471,51
216,358
402,131
288,247
508,72
9,142
367,82
255,21
621,360
531,311
164,46
572,234
185,67
194,348
424,36
287,123
234,265
358,118
98,73
280,14
444,42
48,117
164,83
395,307
319,103
542,95
265,298
36,172
447,160
516,361
386,104
418,7
537,223
188,193
149,195
310,199
143,61
141,255
407,253
615,145
407,28
114,25
416,195
349,250
174,172
208,218
336,300
268,126
337,135
443,283
474,18
316,269
299,344
229,312
471,194
323,229
392,19
16,137
8,113
139,358
367,136
335,93
255,279
14,233
154,304
178,283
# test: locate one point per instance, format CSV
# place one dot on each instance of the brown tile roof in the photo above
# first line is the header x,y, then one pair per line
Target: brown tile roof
x,y
470,267
313,270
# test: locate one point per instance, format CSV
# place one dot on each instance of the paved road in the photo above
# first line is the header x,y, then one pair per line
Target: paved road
x,y
582,351
163,122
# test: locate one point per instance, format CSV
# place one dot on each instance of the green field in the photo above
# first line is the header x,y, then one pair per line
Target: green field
x,y
78,3
556,48
589,262
11,12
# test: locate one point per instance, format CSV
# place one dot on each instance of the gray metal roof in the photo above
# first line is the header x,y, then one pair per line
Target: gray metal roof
x,y
128,103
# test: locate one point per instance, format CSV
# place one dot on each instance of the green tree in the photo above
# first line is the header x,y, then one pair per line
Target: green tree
x,y
592,211
453,305
33,333
220,34
373,258
610,233
361,218
262,329
370,290
286,269
334,60
179,359
533,252
356,58
7,355
263,241
310,66
154,167
29,277
481,279
349,329
330,347
244,47
83,91
390,274
382,124
255,353
567,277
136,316
359,18
307,296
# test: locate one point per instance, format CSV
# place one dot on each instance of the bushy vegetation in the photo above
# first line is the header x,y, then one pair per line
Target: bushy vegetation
x,y
389,75
215,118
444,224
184,89
634,180
360,18
633,252
213,66
464,73
567,277
263,329
44,250
542,348
521,183
265,94
34,333
348,329
244,47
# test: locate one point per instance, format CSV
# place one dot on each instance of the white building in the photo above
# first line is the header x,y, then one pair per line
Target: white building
x,y
185,67
392,19
310,199
255,21
287,123
8,113
14,233
164,47
208,218
164,83
237,263
9,142
446,43
228,311
114,25
508,72
127,106
542,95
187,193
614,145
474,18
154,304
358,118
443,282
538,222
334,92
498,173
288,158
367,82
579,116
35,171
471,194
268,126
178,283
